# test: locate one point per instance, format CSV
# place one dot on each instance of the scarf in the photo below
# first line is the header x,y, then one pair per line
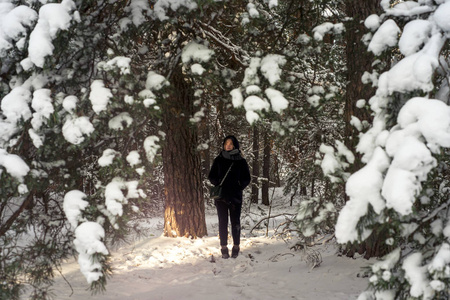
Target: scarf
x,y
234,154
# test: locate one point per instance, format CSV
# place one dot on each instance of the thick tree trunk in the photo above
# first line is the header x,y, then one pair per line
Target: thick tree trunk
x,y
184,204
255,165
359,60
266,170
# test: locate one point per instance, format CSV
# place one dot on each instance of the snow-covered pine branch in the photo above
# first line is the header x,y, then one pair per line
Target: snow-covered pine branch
x,y
405,156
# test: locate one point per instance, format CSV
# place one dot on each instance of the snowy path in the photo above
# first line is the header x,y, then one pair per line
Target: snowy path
x,y
160,268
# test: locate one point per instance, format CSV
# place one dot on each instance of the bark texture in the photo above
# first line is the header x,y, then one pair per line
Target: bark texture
x,y
266,170
184,204
255,165
359,60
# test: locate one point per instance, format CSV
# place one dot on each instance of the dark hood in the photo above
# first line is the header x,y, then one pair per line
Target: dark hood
x,y
234,139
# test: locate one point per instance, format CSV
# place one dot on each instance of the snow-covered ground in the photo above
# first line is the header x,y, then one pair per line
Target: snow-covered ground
x,y
157,268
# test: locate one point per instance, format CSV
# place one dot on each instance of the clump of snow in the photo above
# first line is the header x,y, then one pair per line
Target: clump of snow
x,y
416,275
321,30
197,53
14,165
408,168
355,122
414,72
197,69
128,99
372,22
138,9
252,11
133,191
272,3
14,22
255,103
73,206
151,147
88,242
149,102
114,198
119,62
277,100
133,158
361,103
107,157
161,7
412,159
74,129
271,67
386,36
253,90
197,117
236,98
317,89
329,163
441,261
430,118
37,139
314,100
43,107
22,188
333,163
99,96
155,82
251,117
388,262
442,16
70,103
415,34
303,39
53,17
251,72
363,188
116,123
345,152
15,106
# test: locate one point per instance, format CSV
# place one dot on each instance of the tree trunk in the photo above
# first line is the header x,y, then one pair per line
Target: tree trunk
x,y
206,153
359,10
356,90
184,204
303,190
266,170
255,165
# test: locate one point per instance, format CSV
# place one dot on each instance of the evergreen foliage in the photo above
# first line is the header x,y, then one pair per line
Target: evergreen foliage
x,y
83,120
409,199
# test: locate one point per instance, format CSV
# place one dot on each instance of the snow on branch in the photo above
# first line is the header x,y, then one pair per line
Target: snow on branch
x,y
161,7
53,17
14,165
88,243
238,54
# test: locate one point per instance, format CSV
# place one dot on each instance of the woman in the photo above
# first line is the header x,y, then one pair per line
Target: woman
x,y
230,204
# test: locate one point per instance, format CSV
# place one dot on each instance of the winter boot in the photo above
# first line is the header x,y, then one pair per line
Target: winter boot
x,y
224,251
235,251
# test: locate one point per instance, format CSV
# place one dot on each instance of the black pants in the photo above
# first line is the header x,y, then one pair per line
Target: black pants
x,y
223,208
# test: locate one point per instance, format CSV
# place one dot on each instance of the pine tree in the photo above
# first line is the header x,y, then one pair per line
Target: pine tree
x,y
402,189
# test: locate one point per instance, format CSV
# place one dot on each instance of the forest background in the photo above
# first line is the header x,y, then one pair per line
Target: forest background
x,y
112,109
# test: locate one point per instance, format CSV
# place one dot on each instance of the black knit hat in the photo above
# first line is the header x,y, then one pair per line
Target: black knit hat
x,y
233,139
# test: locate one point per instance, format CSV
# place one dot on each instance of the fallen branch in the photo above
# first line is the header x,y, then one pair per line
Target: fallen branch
x,y
270,217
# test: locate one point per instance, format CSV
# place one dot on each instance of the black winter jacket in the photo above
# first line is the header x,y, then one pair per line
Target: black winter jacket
x,y
237,179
